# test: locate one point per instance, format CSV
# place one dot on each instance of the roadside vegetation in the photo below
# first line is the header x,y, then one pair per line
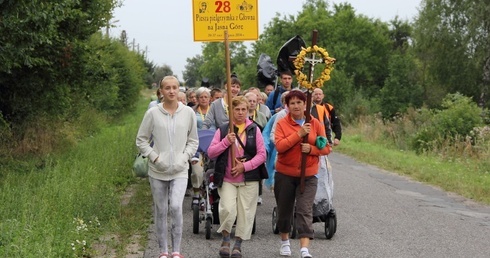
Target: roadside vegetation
x,y
448,148
82,202
413,97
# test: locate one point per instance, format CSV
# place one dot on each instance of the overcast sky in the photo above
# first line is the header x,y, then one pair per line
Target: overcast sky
x,y
165,28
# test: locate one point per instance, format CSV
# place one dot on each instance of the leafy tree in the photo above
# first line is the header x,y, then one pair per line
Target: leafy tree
x,y
214,57
401,88
314,16
339,91
452,41
39,42
35,33
191,72
279,30
400,34
161,71
110,76
361,47
150,68
56,67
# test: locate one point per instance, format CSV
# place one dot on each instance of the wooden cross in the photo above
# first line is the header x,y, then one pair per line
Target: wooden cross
x,y
312,61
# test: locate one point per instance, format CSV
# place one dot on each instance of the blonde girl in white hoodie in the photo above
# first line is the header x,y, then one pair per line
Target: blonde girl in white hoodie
x,y
174,130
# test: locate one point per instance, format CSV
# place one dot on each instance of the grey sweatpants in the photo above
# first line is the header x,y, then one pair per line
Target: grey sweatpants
x,y
162,192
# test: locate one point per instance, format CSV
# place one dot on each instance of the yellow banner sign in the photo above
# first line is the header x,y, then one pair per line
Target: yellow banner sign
x,y
212,18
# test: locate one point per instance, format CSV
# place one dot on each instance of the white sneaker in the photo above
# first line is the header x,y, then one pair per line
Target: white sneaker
x,y
259,200
306,254
285,250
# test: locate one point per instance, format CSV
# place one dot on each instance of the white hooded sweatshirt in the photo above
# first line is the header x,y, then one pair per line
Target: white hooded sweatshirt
x,y
175,141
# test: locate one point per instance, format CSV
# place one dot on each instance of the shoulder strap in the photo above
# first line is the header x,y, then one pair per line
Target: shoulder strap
x,y
241,144
276,95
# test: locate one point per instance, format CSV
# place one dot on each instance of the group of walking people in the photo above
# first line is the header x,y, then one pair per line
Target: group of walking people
x,y
168,136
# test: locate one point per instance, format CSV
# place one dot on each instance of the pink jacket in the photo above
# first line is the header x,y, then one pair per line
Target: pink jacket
x,y
218,146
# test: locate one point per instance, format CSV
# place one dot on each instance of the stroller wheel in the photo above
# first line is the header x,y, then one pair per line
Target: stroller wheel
x,y
195,219
275,230
330,225
208,228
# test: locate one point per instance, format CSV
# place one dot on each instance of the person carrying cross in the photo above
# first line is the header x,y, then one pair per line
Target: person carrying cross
x,y
290,147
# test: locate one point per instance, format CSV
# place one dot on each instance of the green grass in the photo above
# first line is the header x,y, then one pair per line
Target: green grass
x,y
44,200
466,177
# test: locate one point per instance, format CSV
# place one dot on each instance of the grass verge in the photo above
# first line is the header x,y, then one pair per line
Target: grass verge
x,y
66,204
467,177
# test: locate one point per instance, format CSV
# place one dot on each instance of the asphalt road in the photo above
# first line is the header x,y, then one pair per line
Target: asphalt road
x,y
379,214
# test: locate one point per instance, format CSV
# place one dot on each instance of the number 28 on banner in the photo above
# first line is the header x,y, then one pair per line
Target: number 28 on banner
x,y
212,18
222,6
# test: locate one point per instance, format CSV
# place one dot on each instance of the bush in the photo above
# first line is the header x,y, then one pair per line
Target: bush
x,y
48,108
456,121
357,107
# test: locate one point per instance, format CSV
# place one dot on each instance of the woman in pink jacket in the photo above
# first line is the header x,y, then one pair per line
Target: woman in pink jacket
x,y
237,185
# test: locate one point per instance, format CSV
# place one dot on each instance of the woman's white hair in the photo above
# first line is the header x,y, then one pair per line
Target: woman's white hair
x,y
202,90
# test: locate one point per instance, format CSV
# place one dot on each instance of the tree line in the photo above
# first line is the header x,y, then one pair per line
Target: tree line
x,y
58,71
382,67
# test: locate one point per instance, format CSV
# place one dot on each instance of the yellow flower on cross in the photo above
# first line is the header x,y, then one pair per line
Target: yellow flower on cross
x,y
300,61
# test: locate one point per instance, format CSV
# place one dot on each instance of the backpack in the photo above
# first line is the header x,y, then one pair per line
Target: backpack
x,y
276,95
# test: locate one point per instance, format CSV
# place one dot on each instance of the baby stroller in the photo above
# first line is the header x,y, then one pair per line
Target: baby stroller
x,y
323,210
207,210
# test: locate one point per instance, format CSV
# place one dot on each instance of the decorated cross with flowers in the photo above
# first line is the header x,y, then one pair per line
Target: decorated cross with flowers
x,y
309,55
302,58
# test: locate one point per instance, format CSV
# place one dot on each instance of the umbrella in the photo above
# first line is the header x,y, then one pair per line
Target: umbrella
x,y
266,71
205,138
290,49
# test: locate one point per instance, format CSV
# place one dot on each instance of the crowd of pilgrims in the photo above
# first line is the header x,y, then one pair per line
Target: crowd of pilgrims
x,y
269,129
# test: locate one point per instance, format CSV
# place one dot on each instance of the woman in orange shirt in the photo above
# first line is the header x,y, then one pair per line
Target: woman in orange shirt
x,y
289,144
